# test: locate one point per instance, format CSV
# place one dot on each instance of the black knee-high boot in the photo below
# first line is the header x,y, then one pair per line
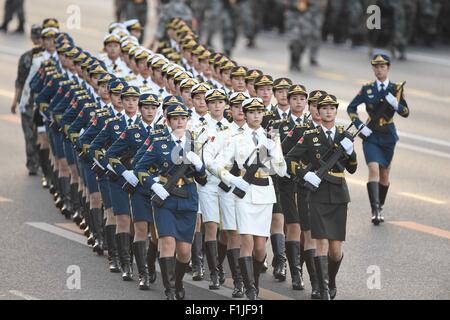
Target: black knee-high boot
x,y
211,257
257,267
97,222
373,190
246,265
45,166
123,246
333,269
167,265
152,253
293,257
309,262
279,256
233,261
197,257
180,270
321,264
113,256
139,249
221,255
66,209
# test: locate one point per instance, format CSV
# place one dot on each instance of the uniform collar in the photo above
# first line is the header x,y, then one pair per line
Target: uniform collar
x,y
386,84
333,131
280,112
126,117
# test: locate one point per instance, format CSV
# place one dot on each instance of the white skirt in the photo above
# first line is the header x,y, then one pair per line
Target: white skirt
x,y
254,211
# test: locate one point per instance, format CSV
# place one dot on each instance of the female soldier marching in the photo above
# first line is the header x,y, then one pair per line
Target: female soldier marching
x,y
175,213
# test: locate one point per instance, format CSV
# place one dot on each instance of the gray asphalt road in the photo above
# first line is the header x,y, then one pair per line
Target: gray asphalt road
x,y
410,253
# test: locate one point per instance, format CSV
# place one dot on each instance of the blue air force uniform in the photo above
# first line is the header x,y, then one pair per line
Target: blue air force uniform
x,y
379,146
177,217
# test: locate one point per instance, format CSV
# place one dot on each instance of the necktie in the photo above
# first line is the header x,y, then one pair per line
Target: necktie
x,y
114,66
241,129
382,88
330,140
255,138
130,122
298,120
145,81
149,129
161,91
284,115
219,124
201,119
118,114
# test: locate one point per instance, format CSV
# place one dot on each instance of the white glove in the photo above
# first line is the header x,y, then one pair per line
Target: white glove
x,y
130,177
347,144
312,178
156,179
110,168
98,164
392,101
240,183
269,144
195,160
365,131
160,191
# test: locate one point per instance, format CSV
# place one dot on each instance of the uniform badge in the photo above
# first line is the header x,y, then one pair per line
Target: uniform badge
x,y
92,113
116,127
318,156
165,165
285,128
369,91
137,135
164,146
315,139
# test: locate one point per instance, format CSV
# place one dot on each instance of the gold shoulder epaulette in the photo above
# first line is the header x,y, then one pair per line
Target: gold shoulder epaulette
x,y
316,131
133,126
111,119
161,139
157,131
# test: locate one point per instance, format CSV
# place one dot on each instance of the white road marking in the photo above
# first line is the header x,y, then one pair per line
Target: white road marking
x,y
225,292
22,295
58,231
2,199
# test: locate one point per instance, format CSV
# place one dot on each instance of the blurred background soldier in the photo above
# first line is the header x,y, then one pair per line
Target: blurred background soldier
x,y
171,9
357,17
120,9
13,7
137,9
304,19
214,9
247,17
334,25
26,112
427,19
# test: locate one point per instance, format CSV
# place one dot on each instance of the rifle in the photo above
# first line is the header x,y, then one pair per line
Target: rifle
x,y
249,173
375,118
332,161
171,184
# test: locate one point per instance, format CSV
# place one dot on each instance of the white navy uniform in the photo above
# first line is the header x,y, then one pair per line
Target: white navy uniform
x,y
217,205
254,211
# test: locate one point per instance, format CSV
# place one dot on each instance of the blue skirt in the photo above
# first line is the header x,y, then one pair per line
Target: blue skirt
x,y
58,140
379,148
141,206
90,178
69,152
120,199
103,184
178,216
